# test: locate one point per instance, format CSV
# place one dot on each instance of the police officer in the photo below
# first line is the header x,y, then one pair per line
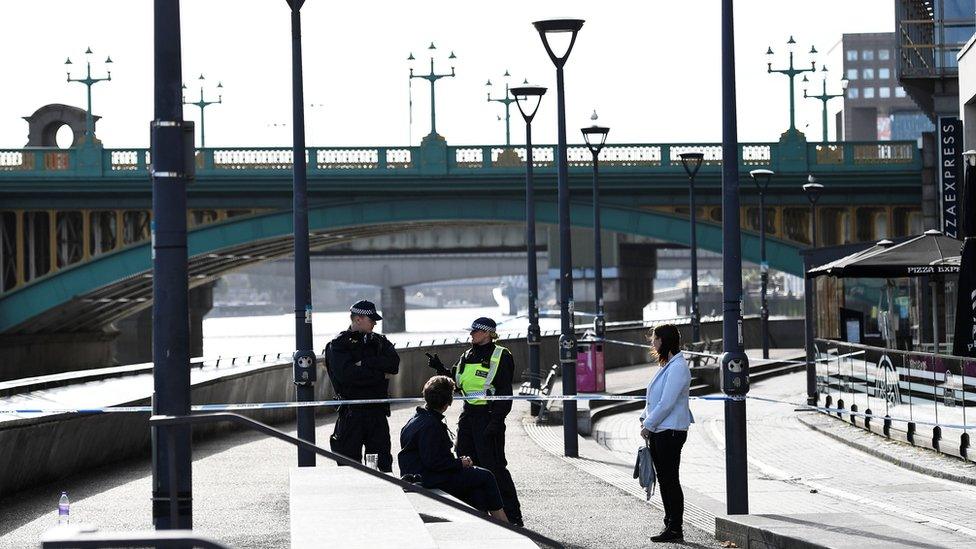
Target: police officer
x,y
485,369
360,364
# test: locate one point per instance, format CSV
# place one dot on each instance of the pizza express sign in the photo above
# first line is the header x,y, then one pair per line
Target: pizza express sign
x,y
950,173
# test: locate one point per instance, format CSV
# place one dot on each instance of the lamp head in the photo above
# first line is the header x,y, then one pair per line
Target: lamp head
x,y
769,50
452,56
431,46
970,157
761,178
813,50
88,51
68,61
595,137
692,161
108,60
790,42
844,83
410,57
813,189
558,37
528,98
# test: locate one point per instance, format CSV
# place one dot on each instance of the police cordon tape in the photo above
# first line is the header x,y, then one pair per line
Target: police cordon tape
x,y
416,400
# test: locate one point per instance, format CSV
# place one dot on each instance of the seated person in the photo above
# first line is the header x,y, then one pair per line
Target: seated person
x,y
426,451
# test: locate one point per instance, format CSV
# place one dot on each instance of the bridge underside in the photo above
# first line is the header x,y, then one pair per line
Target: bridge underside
x,y
89,296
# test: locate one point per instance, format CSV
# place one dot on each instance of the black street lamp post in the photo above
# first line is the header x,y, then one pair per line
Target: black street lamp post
x,y
562,33
528,99
304,358
813,191
761,178
595,137
692,162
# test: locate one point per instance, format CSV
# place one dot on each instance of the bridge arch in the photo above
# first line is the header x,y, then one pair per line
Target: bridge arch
x,y
89,295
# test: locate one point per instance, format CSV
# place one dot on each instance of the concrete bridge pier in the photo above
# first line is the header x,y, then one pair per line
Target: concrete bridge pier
x,y
134,342
393,307
627,288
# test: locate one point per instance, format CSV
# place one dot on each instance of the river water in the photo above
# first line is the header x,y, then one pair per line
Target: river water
x,y
238,336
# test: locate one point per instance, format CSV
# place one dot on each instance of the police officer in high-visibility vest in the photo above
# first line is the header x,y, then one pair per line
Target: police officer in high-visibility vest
x,y
485,369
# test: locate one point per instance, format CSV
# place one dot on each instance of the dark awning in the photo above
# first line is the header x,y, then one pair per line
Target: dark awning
x,y
927,254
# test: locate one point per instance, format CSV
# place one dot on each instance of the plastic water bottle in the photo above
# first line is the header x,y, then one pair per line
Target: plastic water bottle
x,y
64,508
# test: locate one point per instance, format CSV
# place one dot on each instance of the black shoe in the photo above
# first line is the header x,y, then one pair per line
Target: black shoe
x,y
517,522
668,535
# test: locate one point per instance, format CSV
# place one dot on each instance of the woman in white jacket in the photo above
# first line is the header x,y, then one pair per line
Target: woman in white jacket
x,y
665,424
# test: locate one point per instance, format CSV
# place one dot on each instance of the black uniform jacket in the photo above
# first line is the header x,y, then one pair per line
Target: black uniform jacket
x,y
358,364
502,383
426,448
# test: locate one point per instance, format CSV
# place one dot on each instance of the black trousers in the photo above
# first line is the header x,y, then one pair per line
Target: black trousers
x,y
356,427
475,486
488,452
666,454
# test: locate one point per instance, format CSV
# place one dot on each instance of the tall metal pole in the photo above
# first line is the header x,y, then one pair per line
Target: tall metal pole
x,y
528,98
534,334
735,363
507,100
812,190
695,311
171,456
567,337
599,323
304,357
763,276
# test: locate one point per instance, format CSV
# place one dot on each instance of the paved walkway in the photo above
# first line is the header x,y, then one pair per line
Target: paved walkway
x,y
794,470
240,490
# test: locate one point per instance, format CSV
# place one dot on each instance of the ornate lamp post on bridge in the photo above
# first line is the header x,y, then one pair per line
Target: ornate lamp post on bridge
x,y
692,162
761,178
432,77
89,81
824,97
203,104
595,137
813,190
791,72
506,100
558,37
528,99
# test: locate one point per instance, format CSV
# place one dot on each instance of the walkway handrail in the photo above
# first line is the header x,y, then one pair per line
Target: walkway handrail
x,y
76,539
339,459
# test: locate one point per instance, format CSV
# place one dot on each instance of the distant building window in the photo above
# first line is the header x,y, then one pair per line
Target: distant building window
x,y
884,55
867,74
867,55
852,74
852,93
852,55
900,92
869,93
884,92
884,74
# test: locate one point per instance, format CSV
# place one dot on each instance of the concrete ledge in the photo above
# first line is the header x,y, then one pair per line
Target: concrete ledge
x,y
352,510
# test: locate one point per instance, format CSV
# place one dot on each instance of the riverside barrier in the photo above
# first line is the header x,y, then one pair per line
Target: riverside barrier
x,y
44,448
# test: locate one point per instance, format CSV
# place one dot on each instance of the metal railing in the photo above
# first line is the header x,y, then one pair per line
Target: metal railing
x,y
465,159
339,459
900,390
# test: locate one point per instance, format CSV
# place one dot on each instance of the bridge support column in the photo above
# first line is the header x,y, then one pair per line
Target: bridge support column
x,y
393,305
134,342
627,288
